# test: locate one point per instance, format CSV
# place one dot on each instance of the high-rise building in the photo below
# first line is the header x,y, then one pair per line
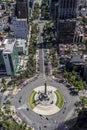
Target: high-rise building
x,y
20,28
22,8
66,31
51,4
68,9
9,61
66,12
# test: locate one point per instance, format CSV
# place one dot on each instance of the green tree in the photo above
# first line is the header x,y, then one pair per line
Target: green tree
x,y
4,83
65,74
79,85
68,51
8,102
84,20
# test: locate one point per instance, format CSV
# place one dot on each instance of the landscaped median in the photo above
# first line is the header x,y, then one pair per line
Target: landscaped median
x,y
60,99
31,99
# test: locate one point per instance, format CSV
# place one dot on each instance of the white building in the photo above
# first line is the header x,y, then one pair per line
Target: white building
x,y
8,57
20,44
20,28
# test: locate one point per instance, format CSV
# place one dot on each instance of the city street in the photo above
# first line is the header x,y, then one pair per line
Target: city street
x,y
43,64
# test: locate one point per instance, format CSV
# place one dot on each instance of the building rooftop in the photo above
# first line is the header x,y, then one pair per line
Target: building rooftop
x,y
18,19
20,42
9,44
77,59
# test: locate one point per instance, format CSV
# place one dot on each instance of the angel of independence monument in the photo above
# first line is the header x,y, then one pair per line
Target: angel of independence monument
x,y
45,95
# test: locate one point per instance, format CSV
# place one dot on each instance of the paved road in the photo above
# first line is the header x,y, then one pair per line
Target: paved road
x,y
1,96
41,60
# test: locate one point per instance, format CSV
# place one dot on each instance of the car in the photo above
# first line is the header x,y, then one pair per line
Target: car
x,y
45,63
61,81
78,103
68,85
47,118
3,90
71,89
45,126
12,97
19,101
20,97
42,18
27,109
74,93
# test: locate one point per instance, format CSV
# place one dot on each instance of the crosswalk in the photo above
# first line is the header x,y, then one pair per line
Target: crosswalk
x,y
24,106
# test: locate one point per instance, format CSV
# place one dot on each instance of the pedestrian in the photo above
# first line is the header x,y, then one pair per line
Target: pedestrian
x,y
63,112
65,108
39,127
65,101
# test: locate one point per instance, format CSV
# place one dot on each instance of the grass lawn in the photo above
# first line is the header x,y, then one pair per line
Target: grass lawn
x,y
31,99
60,99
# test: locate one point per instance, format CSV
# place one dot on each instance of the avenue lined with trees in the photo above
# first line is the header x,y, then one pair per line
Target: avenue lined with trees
x,y
51,60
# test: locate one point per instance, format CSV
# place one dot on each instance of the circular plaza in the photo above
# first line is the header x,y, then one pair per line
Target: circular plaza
x,y
45,102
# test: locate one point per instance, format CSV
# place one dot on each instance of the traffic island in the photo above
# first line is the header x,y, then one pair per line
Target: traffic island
x,y
31,100
60,99
46,102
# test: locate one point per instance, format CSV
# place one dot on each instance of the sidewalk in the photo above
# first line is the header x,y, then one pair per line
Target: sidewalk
x,y
6,93
29,35
83,93
17,119
15,91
